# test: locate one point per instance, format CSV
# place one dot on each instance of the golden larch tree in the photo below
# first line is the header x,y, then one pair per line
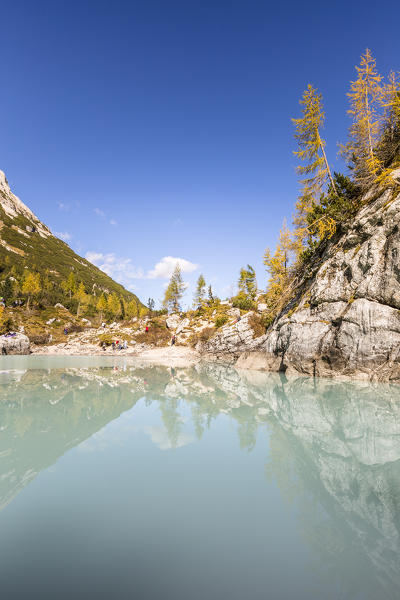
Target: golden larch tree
x,y
365,99
389,144
31,286
81,296
277,266
315,171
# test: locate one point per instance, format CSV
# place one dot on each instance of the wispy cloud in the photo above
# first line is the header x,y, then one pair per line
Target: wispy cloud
x,y
165,267
64,207
113,222
99,212
123,270
120,269
63,235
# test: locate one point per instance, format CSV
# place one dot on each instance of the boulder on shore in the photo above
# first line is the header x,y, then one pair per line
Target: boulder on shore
x,y
17,343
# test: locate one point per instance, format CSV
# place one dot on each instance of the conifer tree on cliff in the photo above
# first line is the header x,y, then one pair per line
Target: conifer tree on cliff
x,y
247,282
277,266
389,145
315,170
365,100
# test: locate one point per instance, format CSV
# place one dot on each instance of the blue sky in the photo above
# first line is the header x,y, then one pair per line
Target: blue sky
x,y
147,130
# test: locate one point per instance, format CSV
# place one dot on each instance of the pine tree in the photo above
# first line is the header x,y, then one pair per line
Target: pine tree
x,y
210,294
312,151
174,292
200,293
31,286
365,99
247,282
7,289
122,308
150,305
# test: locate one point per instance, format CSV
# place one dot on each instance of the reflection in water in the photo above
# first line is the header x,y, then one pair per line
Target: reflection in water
x,y
334,447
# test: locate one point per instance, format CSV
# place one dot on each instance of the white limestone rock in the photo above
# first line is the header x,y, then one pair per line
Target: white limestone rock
x,y
15,344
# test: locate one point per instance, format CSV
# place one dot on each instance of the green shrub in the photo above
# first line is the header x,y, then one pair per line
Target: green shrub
x,y
7,325
221,320
243,302
106,338
39,339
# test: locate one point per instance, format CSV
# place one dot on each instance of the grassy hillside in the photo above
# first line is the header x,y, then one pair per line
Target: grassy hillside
x,y
50,255
27,246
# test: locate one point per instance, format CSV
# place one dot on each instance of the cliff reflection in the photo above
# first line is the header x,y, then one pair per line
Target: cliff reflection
x,y
334,447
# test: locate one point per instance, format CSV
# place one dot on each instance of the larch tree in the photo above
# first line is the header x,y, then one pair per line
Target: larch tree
x,y
101,305
200,293
315,171
389,144
81,296
131,309
365,100
69,285
174,292
277,266
31,286
113,304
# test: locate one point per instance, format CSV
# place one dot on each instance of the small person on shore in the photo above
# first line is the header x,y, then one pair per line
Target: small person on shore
x,y
125,344
173,340
65,330
147,329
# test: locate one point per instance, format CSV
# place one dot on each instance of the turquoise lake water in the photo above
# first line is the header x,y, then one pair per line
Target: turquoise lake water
x,y
119,480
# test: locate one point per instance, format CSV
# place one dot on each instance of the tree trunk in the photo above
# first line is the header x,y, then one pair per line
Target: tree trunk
x,y
326,162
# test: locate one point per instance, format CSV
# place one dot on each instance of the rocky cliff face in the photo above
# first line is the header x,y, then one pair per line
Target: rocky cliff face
x,y
345,317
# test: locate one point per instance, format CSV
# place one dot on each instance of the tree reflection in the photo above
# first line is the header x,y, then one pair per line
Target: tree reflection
x,y
334,448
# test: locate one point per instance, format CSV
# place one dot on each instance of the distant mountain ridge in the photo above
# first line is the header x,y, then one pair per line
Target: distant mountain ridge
x,y
26,242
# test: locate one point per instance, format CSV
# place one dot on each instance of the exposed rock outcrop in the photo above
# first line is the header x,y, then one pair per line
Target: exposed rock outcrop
x,y
15,344
345,316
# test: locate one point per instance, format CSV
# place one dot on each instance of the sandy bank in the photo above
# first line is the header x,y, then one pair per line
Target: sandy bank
x,y
174,356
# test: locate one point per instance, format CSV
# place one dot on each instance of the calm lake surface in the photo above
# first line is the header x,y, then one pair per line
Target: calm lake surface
x,y
119,480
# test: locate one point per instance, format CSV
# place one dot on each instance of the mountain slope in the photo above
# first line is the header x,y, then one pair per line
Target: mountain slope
x,y
26,242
